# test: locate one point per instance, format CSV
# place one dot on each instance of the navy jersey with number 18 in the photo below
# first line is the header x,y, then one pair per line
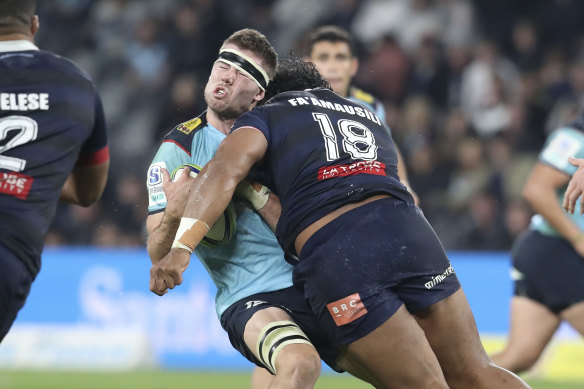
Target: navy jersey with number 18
x,y
324,151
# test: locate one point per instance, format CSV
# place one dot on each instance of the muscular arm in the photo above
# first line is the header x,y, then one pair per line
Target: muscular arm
x,y
216,183
402,173
85,184
541,192
575,187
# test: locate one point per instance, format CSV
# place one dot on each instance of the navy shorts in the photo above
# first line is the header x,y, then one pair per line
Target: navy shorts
x,y
292,301
361,267
551,271
15,283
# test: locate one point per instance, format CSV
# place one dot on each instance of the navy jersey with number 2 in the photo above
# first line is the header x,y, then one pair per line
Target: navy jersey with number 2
x,y
324,151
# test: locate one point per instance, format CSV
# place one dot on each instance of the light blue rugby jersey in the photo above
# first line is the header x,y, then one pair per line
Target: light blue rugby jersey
x,y
252,262
561,144
360,96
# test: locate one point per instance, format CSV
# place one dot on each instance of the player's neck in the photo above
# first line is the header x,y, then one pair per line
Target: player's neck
x,y
221,124
16,37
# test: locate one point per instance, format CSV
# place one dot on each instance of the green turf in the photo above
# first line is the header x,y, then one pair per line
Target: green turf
x,y
181,380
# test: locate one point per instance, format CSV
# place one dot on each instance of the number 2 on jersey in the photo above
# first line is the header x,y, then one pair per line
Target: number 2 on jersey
x,y
27,130
358,140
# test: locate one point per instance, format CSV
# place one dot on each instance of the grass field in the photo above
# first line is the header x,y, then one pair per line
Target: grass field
x,y
182,380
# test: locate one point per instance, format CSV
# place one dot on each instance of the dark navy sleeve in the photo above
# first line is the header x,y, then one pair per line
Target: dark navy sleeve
x,y
95,150
256,118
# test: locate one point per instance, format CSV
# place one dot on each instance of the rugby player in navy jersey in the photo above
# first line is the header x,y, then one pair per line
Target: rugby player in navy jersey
x,y
53,146
370,265
331,50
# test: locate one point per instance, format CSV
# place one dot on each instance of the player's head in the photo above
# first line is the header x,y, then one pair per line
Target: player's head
x,y
294,74
246,63
18,19
330,48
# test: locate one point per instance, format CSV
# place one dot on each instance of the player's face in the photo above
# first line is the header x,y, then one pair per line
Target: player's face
x,y
229,92
334,61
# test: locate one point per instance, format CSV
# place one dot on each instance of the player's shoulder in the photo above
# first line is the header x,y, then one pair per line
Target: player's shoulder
x,y
183,133
360,94
64,64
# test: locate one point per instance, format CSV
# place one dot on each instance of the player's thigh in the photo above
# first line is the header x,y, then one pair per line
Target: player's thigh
x,y
450,328
395,354
575,316
532,325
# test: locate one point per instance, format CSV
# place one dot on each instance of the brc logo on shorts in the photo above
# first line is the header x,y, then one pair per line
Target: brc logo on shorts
x,y
15,184
366,167
347,309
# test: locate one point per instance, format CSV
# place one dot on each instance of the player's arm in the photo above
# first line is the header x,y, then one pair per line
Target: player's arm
x,y
263,201
85,184
541,190
162,226
87,181
211,193
575,187
271,211
402,172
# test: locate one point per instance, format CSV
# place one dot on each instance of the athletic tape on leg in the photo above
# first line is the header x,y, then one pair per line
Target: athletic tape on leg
x,y
274,337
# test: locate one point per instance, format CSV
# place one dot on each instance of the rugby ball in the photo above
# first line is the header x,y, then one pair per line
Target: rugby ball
x,y
223,230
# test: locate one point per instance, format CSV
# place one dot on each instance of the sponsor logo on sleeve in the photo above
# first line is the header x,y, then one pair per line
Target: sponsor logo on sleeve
x,y
347,309
156,194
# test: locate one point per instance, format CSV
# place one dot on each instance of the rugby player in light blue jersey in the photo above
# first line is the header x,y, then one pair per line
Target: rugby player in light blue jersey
x,y
266,318
548,259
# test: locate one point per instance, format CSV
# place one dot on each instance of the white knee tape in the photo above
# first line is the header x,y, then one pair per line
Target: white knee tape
x,y
274,337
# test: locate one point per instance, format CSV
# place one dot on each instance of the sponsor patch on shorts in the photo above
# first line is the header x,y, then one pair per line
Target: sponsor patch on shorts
x,y
15,184
347,309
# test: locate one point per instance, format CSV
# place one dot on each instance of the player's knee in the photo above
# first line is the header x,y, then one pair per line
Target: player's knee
x,y
284,342
300,363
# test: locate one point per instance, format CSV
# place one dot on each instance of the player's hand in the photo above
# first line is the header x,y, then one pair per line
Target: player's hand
x,y
177,193
254,192
575,187
167,273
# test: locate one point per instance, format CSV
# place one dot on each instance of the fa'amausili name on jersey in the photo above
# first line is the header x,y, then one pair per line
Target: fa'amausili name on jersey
x,y
50,115
324,151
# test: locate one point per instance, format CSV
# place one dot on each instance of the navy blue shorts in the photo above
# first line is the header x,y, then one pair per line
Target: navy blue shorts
x,y
15,282
360,268
552,271
292,301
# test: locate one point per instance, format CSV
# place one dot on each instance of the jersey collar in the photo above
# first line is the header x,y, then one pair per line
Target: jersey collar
x,y
22,45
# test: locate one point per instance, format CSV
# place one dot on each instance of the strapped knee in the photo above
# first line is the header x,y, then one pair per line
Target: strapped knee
x,y
274,337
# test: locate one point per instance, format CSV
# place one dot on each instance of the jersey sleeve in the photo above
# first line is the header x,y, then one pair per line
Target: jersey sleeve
x,y
95,150
169,157
256,118
561,144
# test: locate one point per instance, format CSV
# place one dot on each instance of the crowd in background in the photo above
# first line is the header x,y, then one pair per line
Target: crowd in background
x,y
471,90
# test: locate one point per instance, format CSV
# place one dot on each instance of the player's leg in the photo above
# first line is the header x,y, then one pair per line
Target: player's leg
x,y
284,348
451,330
532,326
394,355
261,378
575,316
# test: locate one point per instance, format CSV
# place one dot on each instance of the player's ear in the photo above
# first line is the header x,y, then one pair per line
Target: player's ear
x,y
354,66
260,95
34,25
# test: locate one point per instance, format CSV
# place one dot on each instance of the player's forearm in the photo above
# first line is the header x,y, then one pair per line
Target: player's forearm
x,y
271,211
161,238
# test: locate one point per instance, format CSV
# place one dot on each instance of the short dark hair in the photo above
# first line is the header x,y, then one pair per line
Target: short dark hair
x,y
329,34
294,74
15,15
255,41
